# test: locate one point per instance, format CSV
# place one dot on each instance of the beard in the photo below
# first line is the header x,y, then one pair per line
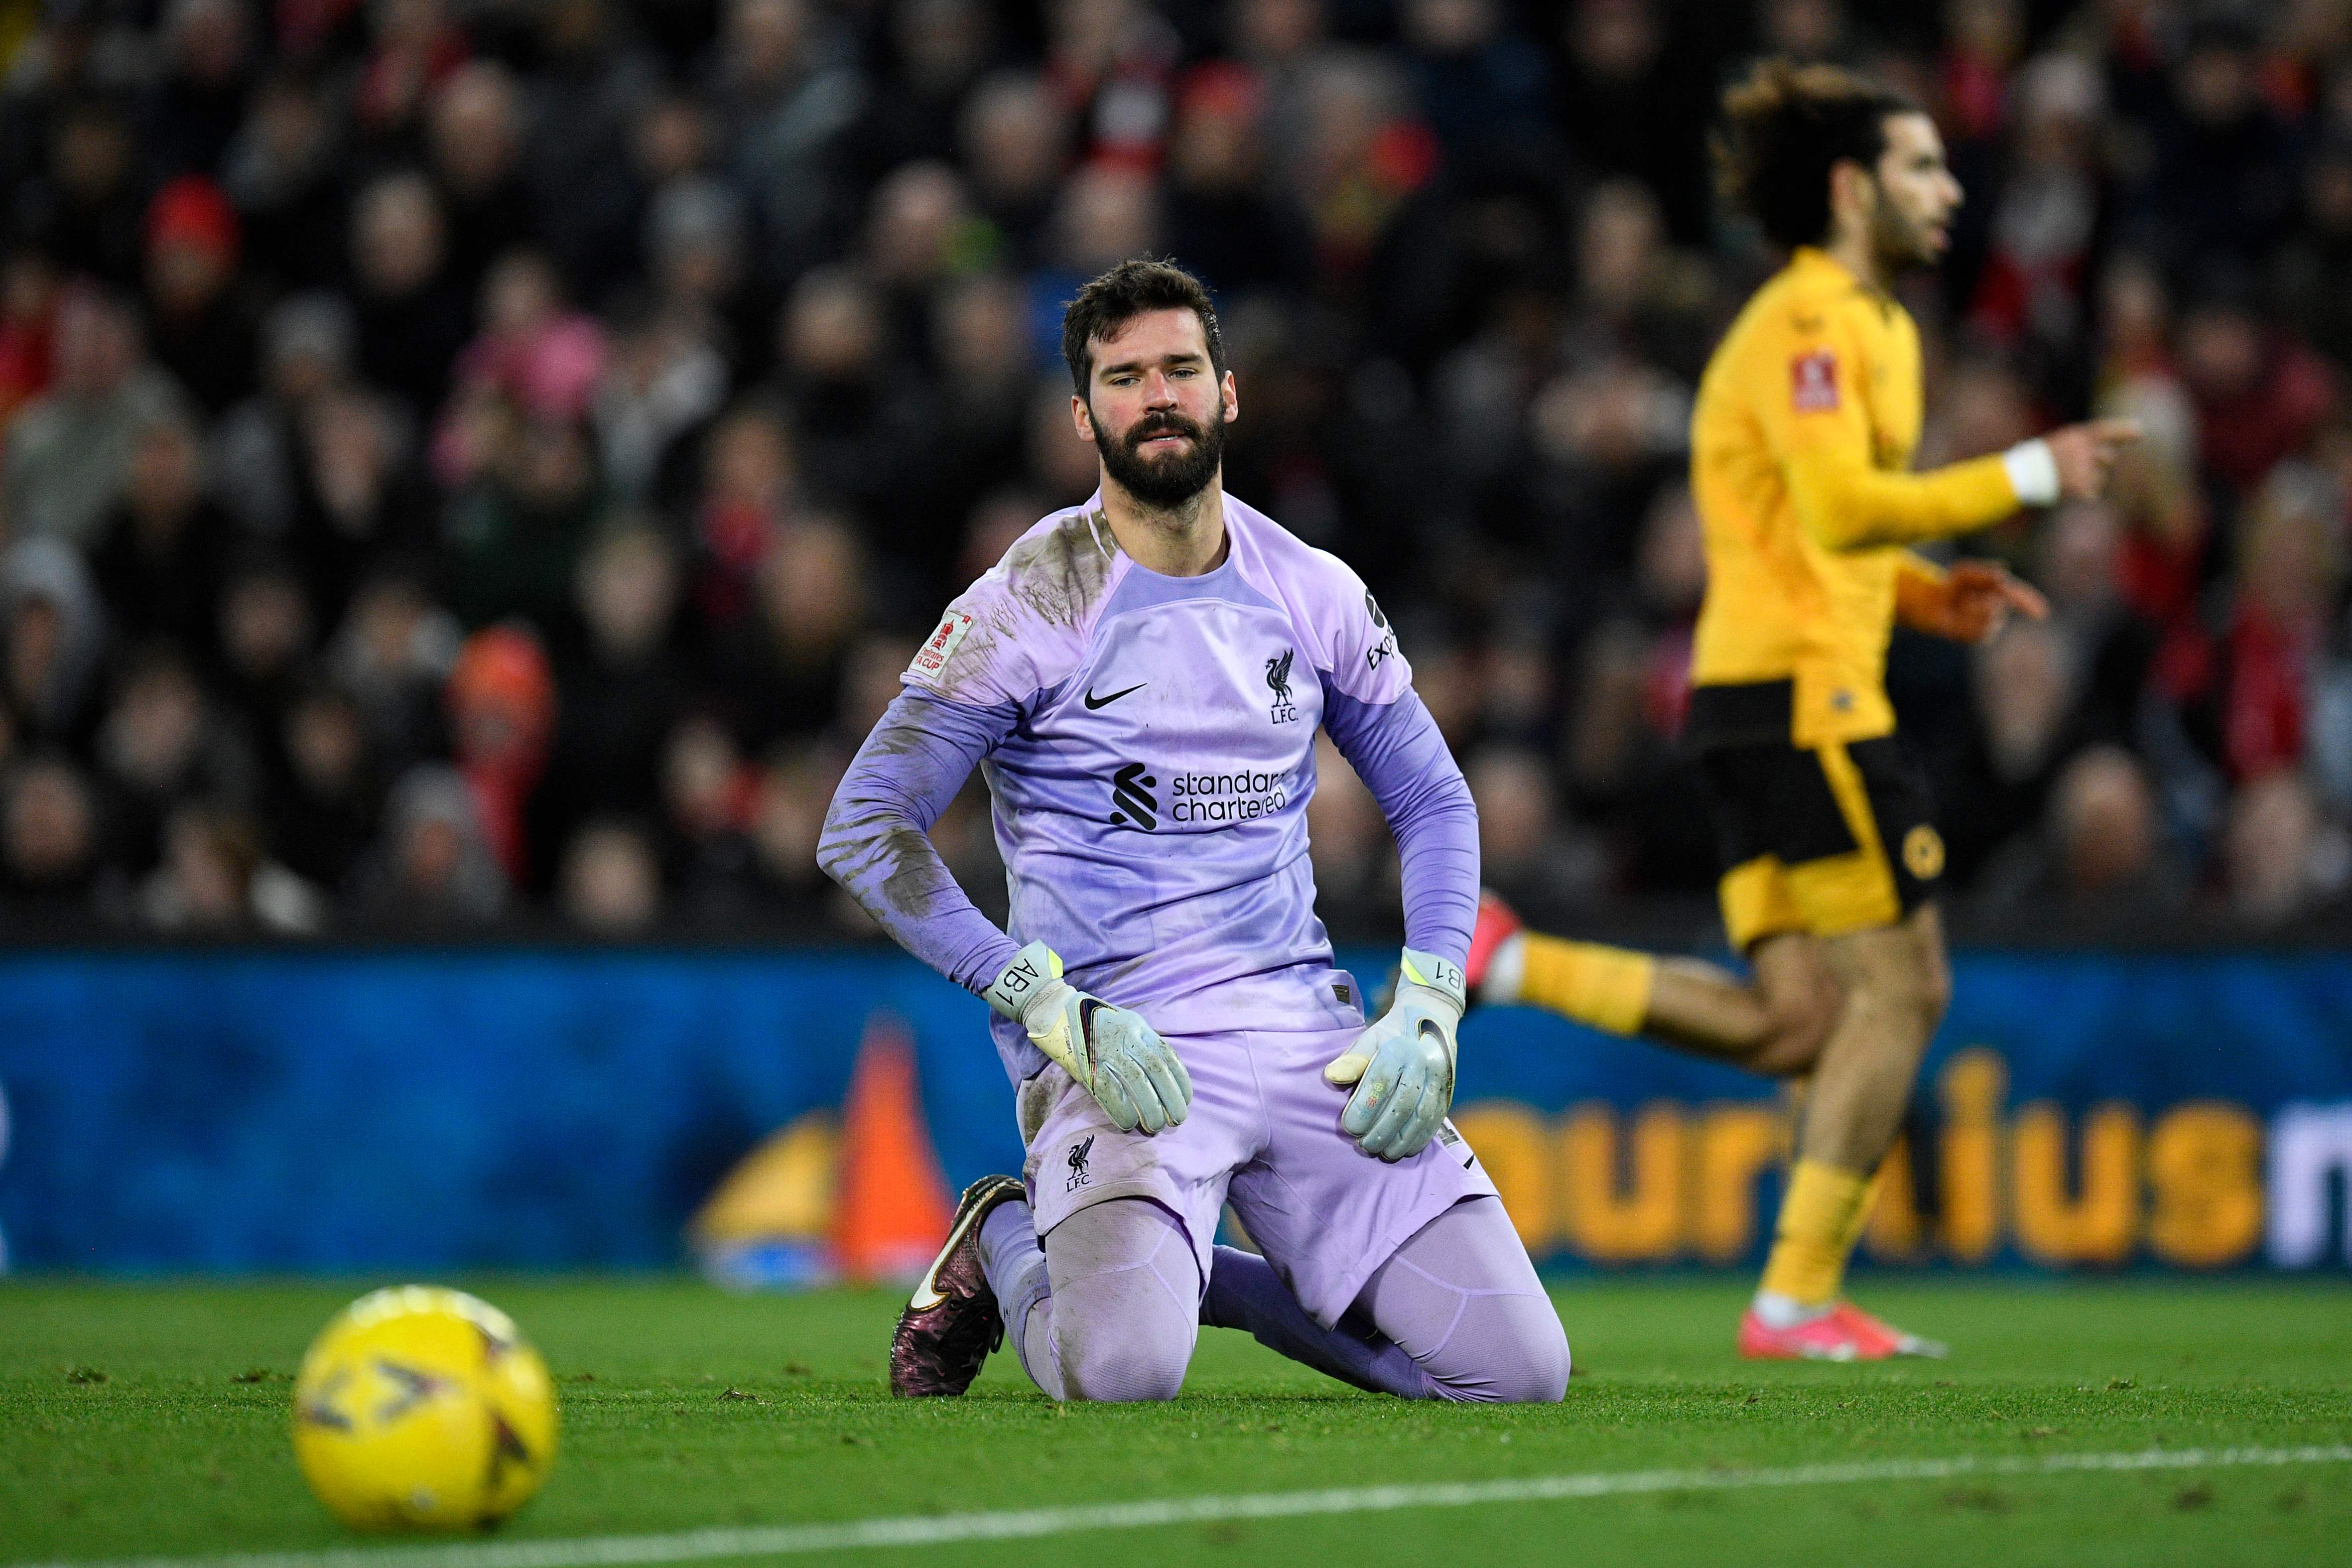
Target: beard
x,y
1901,245
1169,479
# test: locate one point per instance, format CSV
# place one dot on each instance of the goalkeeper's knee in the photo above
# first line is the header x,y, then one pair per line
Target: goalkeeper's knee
x,y
1514,1353
1115,1360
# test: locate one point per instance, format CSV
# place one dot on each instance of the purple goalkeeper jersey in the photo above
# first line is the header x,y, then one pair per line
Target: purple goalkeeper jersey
x,y
1148,743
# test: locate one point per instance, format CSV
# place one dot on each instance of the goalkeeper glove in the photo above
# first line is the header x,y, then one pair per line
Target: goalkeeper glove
x,y
1402,1067
1114,1055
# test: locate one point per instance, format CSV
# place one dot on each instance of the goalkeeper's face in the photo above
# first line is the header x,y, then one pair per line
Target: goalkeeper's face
x,y
1156,410
1911,220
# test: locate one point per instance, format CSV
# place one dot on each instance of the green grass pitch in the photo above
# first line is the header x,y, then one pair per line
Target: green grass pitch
x,y
132,1423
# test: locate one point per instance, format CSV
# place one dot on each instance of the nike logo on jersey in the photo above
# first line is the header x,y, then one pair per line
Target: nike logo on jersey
x,y
1094,702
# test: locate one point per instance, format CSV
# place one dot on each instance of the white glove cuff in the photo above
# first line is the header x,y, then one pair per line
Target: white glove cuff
x,y
2033,472
1432,972
1022,982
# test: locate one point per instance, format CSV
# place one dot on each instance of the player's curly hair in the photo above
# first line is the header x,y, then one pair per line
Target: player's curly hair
x,y
1785,128
1125,291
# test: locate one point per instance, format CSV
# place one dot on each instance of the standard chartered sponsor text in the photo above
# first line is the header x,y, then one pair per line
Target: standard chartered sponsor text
x,y
1216,799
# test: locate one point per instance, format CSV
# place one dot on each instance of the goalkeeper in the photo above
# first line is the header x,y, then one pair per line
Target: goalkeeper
x,y
1140,681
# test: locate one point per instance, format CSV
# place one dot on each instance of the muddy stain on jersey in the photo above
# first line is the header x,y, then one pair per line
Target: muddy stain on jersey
x,y
1060,573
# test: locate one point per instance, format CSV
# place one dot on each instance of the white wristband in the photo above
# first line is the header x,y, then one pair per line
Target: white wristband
x,y
1020,983
1432,972
2033,472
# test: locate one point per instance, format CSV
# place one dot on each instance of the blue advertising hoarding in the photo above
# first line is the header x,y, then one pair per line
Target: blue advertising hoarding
x,y
293,1111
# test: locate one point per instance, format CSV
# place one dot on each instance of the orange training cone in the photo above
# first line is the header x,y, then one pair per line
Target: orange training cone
x,y
891,1209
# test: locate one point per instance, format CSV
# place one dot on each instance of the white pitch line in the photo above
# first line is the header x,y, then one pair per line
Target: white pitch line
x,y
938,1530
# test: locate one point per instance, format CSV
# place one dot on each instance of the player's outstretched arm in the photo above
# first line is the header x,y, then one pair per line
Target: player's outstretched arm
x,y
1114,1055
876,839
1820,431
1847,502
1402,1067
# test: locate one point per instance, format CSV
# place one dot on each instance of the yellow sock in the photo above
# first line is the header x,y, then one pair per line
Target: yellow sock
x,y
1607,987
1821,1219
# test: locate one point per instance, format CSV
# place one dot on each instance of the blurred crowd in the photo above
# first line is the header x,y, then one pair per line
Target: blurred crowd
x,y
484,463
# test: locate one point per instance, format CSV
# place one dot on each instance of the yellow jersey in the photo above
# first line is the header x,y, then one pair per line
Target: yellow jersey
x,y
1800,451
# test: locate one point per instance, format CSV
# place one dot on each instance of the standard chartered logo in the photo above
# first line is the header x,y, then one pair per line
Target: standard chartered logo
x,y
1194,799
1130,791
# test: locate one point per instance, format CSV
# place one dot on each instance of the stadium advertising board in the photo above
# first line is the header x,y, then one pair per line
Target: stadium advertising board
x,y
785,1115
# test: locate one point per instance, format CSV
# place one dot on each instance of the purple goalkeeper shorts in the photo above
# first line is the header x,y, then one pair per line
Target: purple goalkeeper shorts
x,y
1263,1131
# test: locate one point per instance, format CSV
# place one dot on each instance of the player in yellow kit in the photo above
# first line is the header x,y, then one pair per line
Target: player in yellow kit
x,y
1800,451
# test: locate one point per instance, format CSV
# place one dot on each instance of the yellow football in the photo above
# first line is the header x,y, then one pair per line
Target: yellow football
x,y
420,1408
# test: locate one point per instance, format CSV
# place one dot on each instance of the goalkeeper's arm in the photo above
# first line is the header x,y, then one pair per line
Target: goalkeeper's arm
x,y
877,843
1401,1068
876,839
1397,749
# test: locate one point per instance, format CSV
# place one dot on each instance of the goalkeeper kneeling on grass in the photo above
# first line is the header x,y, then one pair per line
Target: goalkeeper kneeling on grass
x,y
1141,680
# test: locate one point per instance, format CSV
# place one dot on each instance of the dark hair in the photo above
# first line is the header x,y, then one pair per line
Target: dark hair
x,y
1125,291
1785,128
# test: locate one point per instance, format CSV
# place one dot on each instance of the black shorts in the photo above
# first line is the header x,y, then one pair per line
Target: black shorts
x,y
1828,839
